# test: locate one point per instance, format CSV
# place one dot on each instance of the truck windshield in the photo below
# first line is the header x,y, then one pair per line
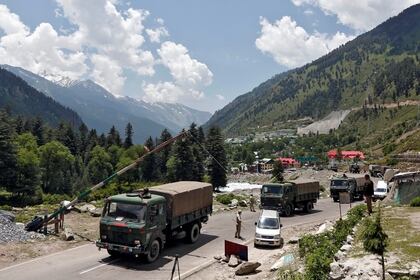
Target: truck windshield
x,y
276,190
268,223
120,210
339,183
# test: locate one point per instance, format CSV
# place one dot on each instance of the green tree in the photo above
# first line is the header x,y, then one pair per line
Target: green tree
x,y
163,155
278,170
375,240
99,166
113,137
38,131
128,142
127,157
218,162
28,180
8,155
198,156
148,165
56,162
182,165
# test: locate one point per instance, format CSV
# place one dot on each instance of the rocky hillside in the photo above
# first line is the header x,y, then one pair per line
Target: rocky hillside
x,y
21,99
379,66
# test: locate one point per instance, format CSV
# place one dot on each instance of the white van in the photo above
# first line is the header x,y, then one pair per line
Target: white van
x,y
381,190
267,231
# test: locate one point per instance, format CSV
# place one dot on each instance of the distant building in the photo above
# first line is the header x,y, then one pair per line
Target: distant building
x,y
345,154
288,162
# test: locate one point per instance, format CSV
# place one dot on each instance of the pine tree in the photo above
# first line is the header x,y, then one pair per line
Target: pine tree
x,y
148,166
128,142
182,163
198,157
218,162
38,131
19,125
278,170
113,137
163,155
8,157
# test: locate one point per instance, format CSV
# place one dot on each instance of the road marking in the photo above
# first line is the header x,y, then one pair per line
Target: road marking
x,y
98,266
43,257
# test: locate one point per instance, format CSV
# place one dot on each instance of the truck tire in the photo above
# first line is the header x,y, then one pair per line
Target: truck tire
x,y
113,253
154,251
193,233
308,207
287,210
335,199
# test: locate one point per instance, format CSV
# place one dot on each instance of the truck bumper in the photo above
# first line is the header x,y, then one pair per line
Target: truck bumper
x,y
120,248
267,242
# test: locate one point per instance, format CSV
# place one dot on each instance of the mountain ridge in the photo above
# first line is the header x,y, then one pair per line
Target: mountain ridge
x,y
377,66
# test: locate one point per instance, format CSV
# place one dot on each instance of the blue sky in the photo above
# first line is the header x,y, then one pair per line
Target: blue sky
x,y
203,53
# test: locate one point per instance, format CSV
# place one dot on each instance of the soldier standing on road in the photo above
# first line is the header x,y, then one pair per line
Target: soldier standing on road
x,y
368,193
252,203
238,224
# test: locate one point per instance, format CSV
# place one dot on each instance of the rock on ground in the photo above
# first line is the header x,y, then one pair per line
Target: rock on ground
x,y
247,268
67,234
9,232
282,262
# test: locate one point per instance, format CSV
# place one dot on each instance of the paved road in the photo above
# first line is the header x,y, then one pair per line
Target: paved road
x,y
86,262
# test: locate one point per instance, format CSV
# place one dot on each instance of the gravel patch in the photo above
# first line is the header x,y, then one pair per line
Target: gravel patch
x,y
11,232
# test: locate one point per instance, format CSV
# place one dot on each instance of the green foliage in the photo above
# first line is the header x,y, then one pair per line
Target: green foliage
x,y
278,170
54,198
227,198
218,163
415,202
128,142
319,250
8,155
289,275
99,166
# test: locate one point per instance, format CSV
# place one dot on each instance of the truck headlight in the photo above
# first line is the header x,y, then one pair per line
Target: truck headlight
x,y
104,236
137,242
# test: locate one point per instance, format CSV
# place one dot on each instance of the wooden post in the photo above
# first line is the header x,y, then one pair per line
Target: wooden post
x,y
62,220
45,224
56,224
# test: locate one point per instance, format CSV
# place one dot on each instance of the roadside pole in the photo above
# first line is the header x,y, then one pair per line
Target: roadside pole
x,y
344,198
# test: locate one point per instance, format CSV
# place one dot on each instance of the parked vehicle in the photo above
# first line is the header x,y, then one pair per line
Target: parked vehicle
x,y
333,166
267,231
353,184
381,190
141,223
377,170
354,168
287,196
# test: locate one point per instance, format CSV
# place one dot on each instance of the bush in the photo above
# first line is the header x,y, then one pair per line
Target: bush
x,y
415,202
54,198
227,198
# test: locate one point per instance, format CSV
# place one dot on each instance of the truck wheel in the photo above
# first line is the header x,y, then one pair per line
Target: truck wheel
x,y
193,233
287,210
335,199
154,251
113,253
308,207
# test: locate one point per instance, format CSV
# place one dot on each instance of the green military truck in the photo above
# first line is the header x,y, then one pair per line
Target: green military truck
x,y
286,197
140,223
353,184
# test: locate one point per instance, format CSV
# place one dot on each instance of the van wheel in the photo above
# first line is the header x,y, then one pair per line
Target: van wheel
x,y
154,251
308,207
287,210
193,233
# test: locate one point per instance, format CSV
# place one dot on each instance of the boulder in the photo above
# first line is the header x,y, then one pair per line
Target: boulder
x,y
349,239
415,272
325,227
345,248
336,273
243,203
282,262
67,234
219,257
226,259
340,255
8,215
95,212
234,203
234,261
85,208
398,272
293,240
247,268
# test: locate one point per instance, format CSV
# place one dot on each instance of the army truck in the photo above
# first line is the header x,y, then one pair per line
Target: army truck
x,y
141,223
286,197
353,184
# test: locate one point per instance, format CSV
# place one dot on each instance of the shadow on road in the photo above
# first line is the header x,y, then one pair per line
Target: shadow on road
x,y
177,247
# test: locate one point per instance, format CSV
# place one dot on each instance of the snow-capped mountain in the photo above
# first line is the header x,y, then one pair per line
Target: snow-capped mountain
x,y
58,79
100,109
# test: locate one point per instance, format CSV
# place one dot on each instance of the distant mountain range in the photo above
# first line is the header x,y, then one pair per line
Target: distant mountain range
x,y
100,109
379,66
21,99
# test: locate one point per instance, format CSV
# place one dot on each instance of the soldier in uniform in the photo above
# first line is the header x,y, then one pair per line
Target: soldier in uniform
x,y
252,203
238,224
368,193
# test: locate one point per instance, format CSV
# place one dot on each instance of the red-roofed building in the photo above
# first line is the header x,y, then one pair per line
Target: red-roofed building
x,y
346,154
287,162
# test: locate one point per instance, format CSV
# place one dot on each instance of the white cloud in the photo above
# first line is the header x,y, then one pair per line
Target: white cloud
x,y
156,34
361,15
10,22
108,73
190,76
220,97
290,44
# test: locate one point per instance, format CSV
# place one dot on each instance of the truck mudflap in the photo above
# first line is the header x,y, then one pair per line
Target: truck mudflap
x,y
120,248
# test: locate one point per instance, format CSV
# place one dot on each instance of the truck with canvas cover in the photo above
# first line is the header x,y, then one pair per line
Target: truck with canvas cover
x,y
286,197
353,184
141,223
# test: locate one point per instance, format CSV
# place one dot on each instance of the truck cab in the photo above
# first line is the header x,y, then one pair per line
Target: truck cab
x,y
352,185
133,224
